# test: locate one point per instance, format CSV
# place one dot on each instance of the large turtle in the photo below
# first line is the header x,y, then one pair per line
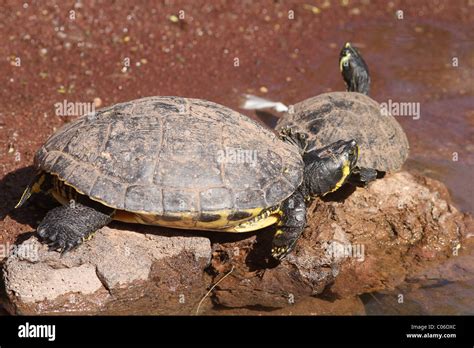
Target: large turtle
x,y
181,163
347,115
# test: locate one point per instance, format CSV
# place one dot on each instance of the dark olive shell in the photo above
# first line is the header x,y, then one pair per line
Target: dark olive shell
x,y
334,116
168,154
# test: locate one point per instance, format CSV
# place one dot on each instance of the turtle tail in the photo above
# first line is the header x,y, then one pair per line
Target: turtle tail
x,y
37,185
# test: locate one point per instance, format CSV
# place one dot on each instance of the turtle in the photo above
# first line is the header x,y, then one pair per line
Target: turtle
x,y
182,163
352,114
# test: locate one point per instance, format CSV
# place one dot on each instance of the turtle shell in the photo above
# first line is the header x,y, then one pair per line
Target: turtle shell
x,y
330,117
167,155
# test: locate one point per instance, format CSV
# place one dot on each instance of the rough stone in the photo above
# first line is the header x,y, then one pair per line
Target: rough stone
x,y
115,272
356,242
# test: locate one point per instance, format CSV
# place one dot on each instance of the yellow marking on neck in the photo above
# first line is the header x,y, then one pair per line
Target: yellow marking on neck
x,y
346,170
344,60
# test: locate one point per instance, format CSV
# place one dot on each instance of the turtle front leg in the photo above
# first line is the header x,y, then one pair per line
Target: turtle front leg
x,y
292,137
291,225
67,226
361,176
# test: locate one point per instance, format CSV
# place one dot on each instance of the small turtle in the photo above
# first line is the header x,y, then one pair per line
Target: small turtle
x,y
182,163
347,115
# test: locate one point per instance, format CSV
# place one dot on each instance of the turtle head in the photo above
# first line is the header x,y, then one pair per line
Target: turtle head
x,y
354,70
328,168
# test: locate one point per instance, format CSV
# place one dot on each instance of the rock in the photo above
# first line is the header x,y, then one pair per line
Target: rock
x,y
118,271
357,241
369,240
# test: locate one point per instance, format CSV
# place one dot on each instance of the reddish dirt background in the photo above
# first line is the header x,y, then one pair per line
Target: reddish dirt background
x,y
82,59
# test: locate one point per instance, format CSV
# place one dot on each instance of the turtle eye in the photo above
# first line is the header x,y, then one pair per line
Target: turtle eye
x,y
352,153
346,60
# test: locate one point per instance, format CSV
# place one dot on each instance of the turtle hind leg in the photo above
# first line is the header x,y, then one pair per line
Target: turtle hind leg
x,y
67,226
291,225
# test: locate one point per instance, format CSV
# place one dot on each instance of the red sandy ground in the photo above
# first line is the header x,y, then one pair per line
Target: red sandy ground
x,y
82,59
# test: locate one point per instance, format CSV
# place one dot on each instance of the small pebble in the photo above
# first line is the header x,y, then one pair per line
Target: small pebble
x,y
97,102
326,4
354,11
312,8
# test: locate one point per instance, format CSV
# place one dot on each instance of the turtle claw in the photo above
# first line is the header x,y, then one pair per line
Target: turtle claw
x,y
298,139
41,232
53,247
62,240
63,246
64,228
279,253
69,246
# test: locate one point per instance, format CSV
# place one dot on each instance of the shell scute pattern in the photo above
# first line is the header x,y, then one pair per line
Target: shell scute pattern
x,y
335,116
160,155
